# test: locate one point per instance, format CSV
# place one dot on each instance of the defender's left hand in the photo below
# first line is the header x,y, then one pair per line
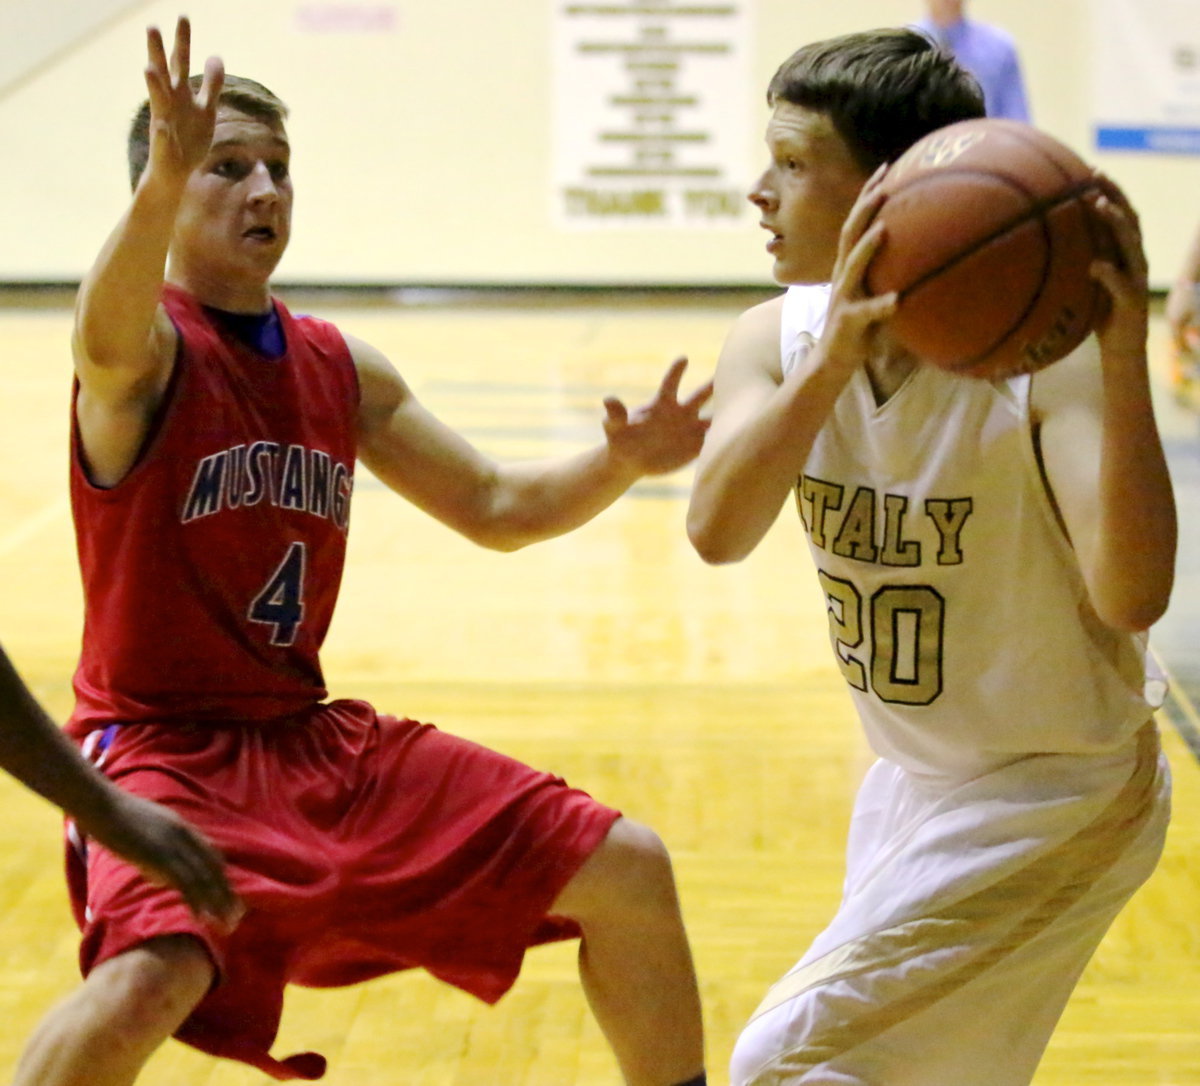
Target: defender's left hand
x,y
664,434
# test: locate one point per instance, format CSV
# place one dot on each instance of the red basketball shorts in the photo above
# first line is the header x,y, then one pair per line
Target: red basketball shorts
x,y
360,844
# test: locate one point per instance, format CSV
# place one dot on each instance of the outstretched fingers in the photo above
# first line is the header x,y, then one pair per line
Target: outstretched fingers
x,y
158,76
156,51
162,74
210,88
616,413
668,390
700,397
181,54
171,77
182,121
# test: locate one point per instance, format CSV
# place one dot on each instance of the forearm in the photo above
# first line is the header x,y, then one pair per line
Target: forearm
x,y
118,298
1135,553
37,753
537,500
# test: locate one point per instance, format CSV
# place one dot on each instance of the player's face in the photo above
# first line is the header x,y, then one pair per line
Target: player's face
x,y
236,214
805,193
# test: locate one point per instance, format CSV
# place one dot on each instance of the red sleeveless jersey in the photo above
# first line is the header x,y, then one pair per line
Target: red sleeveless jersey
x,y
211,570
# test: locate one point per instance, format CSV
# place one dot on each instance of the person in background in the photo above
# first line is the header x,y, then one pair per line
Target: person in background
x,y
986,51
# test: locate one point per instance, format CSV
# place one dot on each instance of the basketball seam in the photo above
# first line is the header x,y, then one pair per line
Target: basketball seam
x,y
1043,206
1036,209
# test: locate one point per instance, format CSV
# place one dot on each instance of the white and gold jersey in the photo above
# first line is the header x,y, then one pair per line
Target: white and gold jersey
x,y
956,606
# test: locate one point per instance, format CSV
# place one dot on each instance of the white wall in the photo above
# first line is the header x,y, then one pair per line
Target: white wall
x,y
422,153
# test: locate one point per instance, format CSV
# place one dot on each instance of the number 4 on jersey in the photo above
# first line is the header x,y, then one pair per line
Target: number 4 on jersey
x,y
281,603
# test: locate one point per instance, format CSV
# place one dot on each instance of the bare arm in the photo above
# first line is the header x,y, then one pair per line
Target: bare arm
x,y
1102,453
35,752
506,506
764,425
123,343
756,446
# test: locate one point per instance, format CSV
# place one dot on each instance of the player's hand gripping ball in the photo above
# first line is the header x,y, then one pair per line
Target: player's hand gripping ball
x,y
989,240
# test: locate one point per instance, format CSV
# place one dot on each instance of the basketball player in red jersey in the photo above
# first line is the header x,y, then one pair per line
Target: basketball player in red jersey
x,y
34,750
214,442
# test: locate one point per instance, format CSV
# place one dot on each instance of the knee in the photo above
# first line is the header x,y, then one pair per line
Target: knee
x,y
752,1058
147,992
629,872
640,864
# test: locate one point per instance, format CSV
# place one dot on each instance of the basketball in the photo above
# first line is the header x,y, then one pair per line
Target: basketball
x,y
989,240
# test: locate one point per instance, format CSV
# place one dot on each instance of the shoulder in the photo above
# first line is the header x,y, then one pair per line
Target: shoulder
x,y
381,388
763,319
802,321
753,341
768,336
993,35
368,360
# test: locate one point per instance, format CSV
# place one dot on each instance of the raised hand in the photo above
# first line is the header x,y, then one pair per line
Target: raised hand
x,y
664,434
181,120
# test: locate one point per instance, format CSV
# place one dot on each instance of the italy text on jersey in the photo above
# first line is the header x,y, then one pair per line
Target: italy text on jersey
x,y
853,531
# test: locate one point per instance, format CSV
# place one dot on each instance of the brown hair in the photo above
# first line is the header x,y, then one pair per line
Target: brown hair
x,y
882,90
238,92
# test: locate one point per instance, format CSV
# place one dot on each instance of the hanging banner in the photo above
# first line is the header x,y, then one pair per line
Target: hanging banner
x,y
1146,75
651,107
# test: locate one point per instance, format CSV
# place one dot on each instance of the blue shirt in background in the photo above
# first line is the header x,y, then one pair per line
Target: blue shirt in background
x,y
990,55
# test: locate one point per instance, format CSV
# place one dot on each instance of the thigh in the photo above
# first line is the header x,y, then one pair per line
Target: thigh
x,y
453,855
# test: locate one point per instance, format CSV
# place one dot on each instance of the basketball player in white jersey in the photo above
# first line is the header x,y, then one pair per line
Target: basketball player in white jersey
x,y
991,554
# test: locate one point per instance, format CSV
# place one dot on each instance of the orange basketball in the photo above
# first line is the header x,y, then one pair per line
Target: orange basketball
x,y
989,239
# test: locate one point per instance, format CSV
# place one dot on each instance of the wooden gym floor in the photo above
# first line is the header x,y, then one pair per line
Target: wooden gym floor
x,y
702,701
